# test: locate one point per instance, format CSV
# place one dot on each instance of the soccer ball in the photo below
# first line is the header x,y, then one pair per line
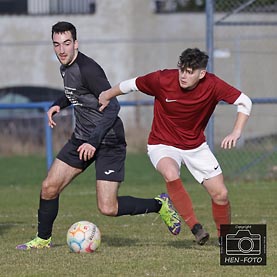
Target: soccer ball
x,y
83,237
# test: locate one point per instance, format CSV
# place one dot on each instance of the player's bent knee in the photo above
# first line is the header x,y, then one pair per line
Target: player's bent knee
x,y
221,198
170,175
48,195
49,191
107,210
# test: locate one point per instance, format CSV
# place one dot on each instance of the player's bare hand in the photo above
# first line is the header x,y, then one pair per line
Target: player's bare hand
x,y
86,151
230,141
103,101
53,110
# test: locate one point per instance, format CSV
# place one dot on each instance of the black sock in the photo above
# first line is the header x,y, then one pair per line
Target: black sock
x,y
47,213
128,205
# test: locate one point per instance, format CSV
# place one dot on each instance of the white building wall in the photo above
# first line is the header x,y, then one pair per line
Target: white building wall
x,y
128,39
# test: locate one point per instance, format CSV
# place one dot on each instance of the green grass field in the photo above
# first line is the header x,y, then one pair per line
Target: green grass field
x,y
131,245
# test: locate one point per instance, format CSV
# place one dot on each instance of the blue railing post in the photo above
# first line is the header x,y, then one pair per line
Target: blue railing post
x,y
48,139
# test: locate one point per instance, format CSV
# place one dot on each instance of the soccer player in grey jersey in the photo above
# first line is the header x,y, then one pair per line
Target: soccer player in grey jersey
x,y
97,137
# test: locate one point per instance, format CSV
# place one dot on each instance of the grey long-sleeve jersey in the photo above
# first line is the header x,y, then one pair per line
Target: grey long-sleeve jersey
x,y
84,80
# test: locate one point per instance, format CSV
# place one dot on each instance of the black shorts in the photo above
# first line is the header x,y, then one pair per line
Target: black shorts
x,y
109,159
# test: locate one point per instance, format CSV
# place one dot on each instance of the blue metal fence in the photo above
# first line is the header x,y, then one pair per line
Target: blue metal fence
x,y
48,131
44,106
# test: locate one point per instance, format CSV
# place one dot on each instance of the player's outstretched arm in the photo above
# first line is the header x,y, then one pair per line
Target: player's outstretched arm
x,y
123,87
107,95
53,110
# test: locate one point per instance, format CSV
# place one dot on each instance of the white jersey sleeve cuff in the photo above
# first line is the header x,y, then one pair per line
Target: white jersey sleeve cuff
x,y
244,104
128,86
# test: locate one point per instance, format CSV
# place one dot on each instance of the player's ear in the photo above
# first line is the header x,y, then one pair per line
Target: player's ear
x,y
76,44
202,73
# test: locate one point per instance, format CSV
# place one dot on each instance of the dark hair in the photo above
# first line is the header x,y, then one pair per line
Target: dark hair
x,y
62,27
193,58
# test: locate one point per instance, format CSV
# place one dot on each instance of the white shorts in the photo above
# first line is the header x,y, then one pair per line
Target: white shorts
x,y
200,161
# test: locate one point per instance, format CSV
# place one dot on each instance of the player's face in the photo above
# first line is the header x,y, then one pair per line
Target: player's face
x,y
65,48
188,78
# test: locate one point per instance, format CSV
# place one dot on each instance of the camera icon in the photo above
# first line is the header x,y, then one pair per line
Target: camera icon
x,y
243,242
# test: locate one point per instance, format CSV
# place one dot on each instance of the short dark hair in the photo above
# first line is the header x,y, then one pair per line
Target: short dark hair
x,y
62,27
193,58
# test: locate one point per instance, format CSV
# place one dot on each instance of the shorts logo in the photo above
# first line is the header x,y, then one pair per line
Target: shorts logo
x,y
216,167
108,172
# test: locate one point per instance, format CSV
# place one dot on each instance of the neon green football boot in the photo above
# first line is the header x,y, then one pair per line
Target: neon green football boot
x,y
168,214
36,243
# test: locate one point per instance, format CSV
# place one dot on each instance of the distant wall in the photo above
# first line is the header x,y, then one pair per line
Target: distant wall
x,y
128,39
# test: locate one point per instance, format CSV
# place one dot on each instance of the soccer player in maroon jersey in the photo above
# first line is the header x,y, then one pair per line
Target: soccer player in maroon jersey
x,y
185,98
